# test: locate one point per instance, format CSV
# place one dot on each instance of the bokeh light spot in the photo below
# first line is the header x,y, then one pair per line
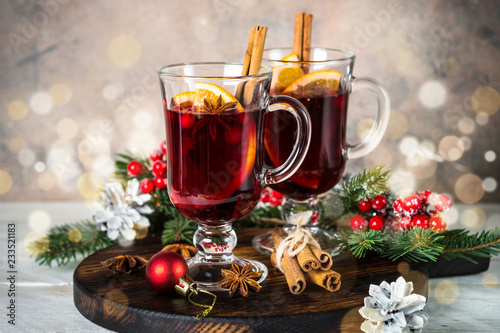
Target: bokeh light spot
x,y
17,110
490,280
432,94
26,157
33,236
446,292
466,125
490,156
452,216
142,119
17,144
124,51
467,142
489,184
39,166
486,100
474,218
41,102
469,188
451,148
450,66
5,182
408,145
39,220
363,127
482,118
46,181
112,91
74,236
67,128
89,185
60,94
398,125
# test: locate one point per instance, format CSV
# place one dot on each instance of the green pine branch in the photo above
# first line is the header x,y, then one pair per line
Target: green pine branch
x,y
361,242
366,184
179,230
415,245
63,243
459,243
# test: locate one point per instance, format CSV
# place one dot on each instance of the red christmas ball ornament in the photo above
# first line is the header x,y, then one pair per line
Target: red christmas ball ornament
x,y
134,168
156,155
376,223
159,168
164,270
379,202
358,222
164,146
364,205
147,186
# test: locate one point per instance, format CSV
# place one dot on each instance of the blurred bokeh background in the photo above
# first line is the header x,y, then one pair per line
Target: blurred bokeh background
x,y
78,84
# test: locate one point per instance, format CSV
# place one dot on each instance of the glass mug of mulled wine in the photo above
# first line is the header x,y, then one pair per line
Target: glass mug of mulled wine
x,y
322,85
215,125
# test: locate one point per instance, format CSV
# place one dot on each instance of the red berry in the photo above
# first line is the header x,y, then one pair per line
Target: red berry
x,y
187,121
160,182
134,168
437,222
379,202
358,222
164,146
364,205
159,168
274,201
420,221
147,186
424,196
264,197
277,194
405,223
411,204
441,202
398,206
376,223
156,155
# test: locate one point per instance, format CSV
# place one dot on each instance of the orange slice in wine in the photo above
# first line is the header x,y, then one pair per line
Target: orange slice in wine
x,y
212,92
315,84
291,57
185,99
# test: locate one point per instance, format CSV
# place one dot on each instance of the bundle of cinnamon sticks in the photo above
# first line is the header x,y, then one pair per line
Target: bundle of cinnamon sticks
x,y
311,264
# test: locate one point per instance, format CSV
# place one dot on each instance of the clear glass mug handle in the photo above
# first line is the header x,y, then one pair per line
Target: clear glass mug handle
x,y
381,118
302,141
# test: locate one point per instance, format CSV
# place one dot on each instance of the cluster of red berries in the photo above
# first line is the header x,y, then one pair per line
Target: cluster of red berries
x,y
215,247
376,208
271,197
420,209
156,179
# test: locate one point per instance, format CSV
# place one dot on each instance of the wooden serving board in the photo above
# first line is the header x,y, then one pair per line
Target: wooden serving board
x,y
129,304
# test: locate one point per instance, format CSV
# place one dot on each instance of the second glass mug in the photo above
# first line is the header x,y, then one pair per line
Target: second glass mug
x,y
322,85
215,122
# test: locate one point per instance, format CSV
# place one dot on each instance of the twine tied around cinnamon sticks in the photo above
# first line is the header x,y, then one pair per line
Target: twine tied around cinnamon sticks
x,y
295,243
299,257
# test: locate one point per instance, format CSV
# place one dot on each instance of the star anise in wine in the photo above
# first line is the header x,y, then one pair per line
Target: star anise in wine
x,y
125,264
240,279
185,250
212,122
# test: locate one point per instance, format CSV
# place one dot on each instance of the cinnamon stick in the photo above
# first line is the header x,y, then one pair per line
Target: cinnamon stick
x,y
330,280
292,271
251,64
307,259
323,257
302,36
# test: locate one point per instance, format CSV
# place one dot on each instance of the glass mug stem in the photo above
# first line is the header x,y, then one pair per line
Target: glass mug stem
x,y
381,119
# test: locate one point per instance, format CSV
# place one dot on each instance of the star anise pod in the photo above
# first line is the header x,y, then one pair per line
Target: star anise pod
x,y
125,264
219,107
185,250
240,279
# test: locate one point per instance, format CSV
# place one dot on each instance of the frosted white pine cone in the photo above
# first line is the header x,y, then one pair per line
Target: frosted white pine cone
x,y
392,308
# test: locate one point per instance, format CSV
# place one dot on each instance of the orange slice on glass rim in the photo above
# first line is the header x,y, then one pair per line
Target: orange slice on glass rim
x,y
205,91
320,83
212,92
284,75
